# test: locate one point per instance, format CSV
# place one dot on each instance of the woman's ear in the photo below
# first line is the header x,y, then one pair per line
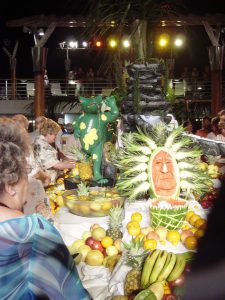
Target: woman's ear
x,y
10,190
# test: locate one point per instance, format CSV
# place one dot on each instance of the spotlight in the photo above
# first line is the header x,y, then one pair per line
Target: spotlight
x,y
126,43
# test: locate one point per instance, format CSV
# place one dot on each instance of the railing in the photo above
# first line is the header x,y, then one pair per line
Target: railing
x,y
25,89
183,89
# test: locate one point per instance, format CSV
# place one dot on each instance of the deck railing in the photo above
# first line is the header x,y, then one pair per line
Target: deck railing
x,y
25,88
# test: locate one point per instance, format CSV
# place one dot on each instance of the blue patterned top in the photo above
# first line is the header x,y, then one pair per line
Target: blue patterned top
x,y
35,263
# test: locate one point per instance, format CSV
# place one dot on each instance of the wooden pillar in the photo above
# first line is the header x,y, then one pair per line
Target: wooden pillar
x,y
39,97
216,65
39,55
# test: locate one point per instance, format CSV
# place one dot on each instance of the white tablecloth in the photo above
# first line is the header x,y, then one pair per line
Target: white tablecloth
x,y
99,282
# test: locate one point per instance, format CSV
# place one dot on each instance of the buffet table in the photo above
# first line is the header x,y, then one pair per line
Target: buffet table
x,y
99,282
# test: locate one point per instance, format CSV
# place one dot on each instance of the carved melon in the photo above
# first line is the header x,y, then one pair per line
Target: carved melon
x,y
164,175
169,213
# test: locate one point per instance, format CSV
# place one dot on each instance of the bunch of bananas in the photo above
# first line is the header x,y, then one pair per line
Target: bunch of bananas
x,y
161,265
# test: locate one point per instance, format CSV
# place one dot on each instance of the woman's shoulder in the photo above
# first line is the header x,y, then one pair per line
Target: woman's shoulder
x,y
28,226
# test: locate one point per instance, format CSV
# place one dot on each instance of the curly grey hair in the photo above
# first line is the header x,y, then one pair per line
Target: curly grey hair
x,y
14,147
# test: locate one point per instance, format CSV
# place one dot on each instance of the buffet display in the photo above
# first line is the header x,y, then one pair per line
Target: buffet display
x,y
140,234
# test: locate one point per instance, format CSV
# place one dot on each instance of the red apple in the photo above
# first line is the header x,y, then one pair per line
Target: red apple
x,y
205,204
177,282
90,241
97,246
169,297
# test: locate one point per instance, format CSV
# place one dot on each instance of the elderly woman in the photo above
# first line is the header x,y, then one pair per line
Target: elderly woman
x,y
46,154
34,261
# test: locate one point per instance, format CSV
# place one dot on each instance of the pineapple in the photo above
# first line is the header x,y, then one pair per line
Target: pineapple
x,y
115,222
83,163
83,192
134,256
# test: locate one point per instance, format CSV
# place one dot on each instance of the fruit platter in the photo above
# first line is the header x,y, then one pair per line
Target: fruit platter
x,y
91,201
154,218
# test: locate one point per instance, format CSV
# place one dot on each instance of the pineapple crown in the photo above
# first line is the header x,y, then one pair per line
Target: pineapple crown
x,y
82,189
116,214
135,253
78,154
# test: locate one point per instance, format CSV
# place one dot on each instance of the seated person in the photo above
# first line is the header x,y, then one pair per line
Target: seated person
x,y
34,261
221,137
46,154
38,121
214,128
188,126
206,127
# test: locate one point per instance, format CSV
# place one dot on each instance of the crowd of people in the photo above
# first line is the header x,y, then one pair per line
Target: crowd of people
x,y
211,128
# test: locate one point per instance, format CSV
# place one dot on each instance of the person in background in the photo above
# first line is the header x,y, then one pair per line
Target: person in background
x,y
38,121
221,137
214,128
46,154
21,120
188,126
34,261
69,141
206,127
58,139
206,278
36,170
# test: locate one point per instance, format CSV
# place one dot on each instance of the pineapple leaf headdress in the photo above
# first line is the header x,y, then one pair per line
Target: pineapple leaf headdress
x,y
139,148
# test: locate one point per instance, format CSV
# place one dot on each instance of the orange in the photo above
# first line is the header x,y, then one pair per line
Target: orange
x,y
199,223
199,233
107,241
189,214
193,219
133,224
136,216
134,231
191,242
173,236
150,244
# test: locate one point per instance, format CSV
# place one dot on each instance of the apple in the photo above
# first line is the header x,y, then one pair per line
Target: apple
x,y
146,230
205,204
93,226
90,241
98,233
94,258
184,234
97,246
177,282
112,250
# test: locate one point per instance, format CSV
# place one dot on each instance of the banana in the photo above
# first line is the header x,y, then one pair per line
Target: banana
x,y
147,269
158,266
169,265
178,268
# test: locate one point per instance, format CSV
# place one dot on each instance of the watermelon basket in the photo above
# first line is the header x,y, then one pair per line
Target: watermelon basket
x,y
169,213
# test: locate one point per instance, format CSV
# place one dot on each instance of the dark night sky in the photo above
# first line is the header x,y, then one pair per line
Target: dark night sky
x,y
55,63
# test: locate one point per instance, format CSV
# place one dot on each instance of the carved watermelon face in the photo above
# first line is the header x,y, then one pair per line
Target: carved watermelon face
x,y
164,174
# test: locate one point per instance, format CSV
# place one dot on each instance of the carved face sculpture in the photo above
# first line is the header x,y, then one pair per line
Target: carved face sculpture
x,y
164,168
